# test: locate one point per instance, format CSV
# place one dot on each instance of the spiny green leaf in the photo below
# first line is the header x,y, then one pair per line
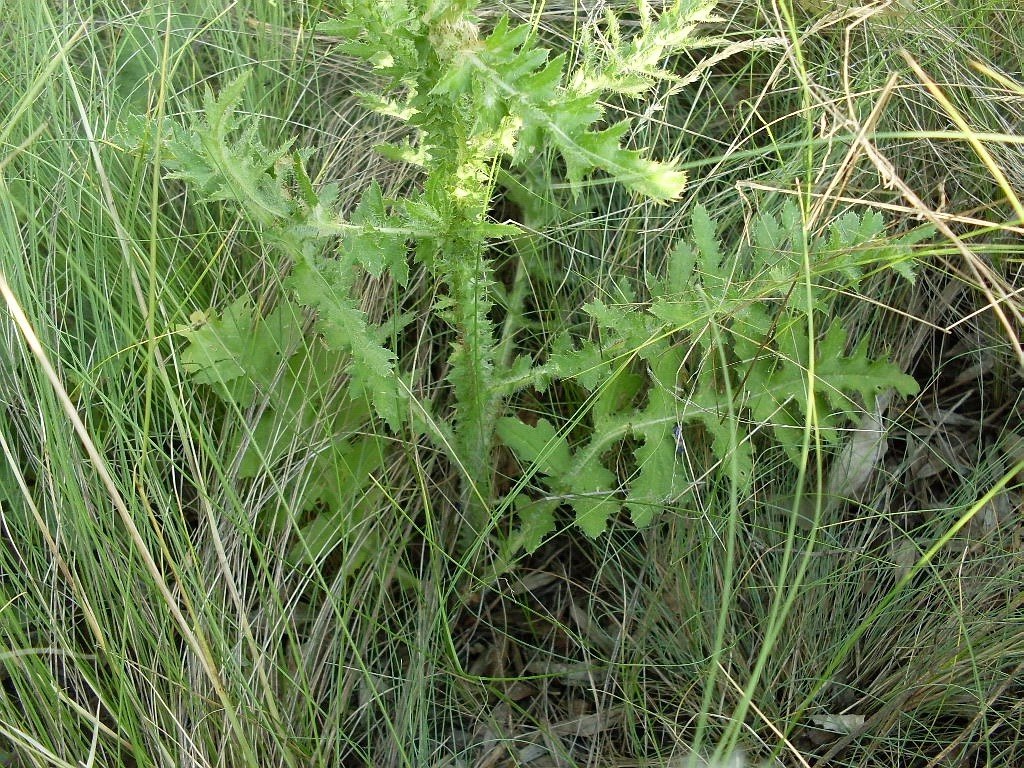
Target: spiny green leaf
x,y
593,512
223,157
586,364
601,150
325,288
514,78
536,520
540,445
632,64
593,495
856,372
386,34
219,108
372,245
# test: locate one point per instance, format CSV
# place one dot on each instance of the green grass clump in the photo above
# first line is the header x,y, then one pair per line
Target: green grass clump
x,y
498,445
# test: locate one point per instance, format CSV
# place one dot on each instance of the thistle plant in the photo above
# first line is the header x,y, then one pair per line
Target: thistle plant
x,y
476,101
481,106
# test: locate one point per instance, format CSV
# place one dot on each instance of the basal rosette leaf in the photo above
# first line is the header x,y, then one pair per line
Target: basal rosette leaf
x,y
615,396
760,341
622,326
777,385
678,272
578,478
856,373
594,508
539,445
590,487
536,520
711,265
730,444
240,351
263,363
658,476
